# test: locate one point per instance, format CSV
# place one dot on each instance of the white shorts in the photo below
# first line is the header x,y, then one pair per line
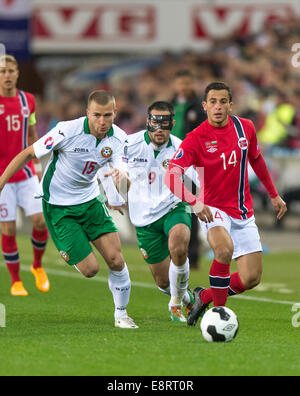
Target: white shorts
x,y
20,194
244,233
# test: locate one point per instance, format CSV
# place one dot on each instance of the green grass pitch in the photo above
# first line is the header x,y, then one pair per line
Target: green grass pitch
x,y
70,330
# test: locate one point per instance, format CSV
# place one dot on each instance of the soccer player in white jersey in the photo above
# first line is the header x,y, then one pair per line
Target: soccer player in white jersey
x,y
161,221
74,213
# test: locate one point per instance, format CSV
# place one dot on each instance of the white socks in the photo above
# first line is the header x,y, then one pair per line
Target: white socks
x,y
179,277
120,285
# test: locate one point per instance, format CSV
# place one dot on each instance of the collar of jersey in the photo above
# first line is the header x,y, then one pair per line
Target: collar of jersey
x,y
148,140
88,132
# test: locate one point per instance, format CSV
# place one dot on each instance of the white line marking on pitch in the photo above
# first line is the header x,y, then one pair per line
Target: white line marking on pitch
x,y
148,285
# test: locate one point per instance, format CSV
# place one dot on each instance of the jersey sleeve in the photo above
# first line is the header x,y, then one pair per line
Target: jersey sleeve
x,y
51,141
186,156
254,149
119,158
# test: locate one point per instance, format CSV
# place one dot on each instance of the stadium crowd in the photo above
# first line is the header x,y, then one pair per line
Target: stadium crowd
x,y
259,68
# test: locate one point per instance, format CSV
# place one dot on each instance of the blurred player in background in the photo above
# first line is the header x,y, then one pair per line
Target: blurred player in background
x,y
189,114
17,131
223,145
161,220
74,212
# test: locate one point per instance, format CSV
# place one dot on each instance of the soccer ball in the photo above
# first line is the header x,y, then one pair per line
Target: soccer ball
x,y
219,324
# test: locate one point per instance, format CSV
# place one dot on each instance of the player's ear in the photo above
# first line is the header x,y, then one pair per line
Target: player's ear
x,y
204,105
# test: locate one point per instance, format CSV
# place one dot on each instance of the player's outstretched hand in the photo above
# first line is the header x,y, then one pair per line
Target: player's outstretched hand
x,y
280,206
117,175
203,212
120,209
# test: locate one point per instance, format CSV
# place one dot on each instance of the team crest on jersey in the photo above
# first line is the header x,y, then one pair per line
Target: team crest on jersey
x,y
144,253
2,109
49,143
106,152
179,154
243,143
64,255
25,112
165,163
211,147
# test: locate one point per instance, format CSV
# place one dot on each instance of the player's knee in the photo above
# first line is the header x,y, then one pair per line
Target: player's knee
x,y
224,254
179,251
91,272
115,262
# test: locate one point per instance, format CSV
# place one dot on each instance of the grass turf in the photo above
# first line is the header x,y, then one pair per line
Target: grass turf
x,y
70,330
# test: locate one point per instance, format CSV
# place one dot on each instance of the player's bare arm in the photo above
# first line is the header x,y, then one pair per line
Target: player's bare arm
x,y
16,164
121,180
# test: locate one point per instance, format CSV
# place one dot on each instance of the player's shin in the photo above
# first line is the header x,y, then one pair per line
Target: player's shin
x,y
11,256
120,285
179,277
219,278
39,241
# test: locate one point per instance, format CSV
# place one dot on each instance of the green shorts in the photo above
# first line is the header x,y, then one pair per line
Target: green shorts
x,y
73,227
153,239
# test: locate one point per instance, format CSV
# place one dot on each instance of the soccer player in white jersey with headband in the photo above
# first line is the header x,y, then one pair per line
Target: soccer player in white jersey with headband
x,y
161,220
74,214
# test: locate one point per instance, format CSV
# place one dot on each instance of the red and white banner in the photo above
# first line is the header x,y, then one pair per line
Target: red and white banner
x,y
121,25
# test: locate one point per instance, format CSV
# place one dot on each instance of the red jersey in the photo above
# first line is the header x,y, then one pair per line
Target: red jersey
x,y
224,154
14,127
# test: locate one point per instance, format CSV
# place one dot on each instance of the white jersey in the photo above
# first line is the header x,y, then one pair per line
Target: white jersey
x,y
70,176
149,198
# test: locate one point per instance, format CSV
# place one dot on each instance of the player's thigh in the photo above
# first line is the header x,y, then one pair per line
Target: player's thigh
x,y
218,234
26,196
160,273
250,268
89,266
177,226
153,242
67,235
109,246
8,203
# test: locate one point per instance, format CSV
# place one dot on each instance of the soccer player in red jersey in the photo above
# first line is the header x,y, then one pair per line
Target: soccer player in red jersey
x,y
17,131
222,146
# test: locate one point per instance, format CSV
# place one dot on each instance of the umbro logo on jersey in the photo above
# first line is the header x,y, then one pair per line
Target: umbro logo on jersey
x,y
81,150
211,147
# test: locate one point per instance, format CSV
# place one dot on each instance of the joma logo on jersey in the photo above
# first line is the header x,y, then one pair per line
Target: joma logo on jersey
x,y
81,150
106,152
140,160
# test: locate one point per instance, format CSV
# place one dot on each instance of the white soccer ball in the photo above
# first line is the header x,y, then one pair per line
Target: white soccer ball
x,y
219,324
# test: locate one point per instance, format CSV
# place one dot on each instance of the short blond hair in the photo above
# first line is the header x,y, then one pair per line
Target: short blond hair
x,y
101,97
8,59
